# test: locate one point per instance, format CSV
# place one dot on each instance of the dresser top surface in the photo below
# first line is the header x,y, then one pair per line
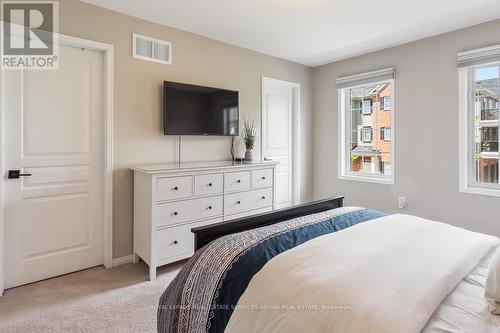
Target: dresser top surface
x,y
192,166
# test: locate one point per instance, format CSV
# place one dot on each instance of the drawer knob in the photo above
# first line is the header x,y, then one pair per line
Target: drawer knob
x,y
238,202
210,184
176,188
175,213
263,198
263,178
174,242
238,181
209,207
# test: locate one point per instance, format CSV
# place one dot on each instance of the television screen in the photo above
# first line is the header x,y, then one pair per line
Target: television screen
x,y
197,110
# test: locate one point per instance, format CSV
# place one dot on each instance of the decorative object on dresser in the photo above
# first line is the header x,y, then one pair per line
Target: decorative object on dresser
x,y
171,199
249,134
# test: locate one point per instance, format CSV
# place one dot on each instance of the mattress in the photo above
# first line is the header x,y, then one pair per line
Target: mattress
x,y
386,275
465,308
208,292
204,294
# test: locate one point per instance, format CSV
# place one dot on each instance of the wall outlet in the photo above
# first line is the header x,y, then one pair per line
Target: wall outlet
x,y
401,202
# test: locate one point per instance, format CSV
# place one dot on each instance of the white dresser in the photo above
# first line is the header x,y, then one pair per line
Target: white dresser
x,y
170,199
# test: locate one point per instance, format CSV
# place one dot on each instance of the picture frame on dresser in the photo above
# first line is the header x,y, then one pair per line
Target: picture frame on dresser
x,y
172,199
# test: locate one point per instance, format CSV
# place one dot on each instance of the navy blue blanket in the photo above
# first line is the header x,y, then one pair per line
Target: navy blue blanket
x,y
203,295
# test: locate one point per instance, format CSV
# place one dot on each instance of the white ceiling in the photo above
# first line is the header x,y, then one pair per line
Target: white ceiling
x,y
311,32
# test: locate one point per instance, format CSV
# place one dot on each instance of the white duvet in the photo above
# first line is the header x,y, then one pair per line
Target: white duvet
x,y
385,275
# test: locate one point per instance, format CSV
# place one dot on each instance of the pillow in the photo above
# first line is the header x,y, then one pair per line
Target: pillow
x,y
492,289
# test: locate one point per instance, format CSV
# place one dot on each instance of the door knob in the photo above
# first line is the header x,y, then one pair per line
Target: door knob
x,y
16,174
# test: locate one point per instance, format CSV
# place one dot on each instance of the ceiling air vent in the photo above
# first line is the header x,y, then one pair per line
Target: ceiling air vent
x,y
151,49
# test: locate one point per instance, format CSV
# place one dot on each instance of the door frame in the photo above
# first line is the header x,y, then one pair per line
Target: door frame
x,y
296,126
108,52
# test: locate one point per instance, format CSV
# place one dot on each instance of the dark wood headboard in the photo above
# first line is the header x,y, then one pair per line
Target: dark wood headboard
x,y
206,234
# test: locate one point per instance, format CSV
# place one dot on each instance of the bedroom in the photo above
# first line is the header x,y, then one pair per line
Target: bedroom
x,y
234,49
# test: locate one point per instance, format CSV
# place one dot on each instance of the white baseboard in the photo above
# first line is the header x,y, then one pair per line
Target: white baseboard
x,y
122,261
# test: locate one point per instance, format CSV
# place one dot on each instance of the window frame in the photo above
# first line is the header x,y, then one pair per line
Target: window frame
x,y
385,165
467,168
367,130
344,118
370,111
385,131
384,104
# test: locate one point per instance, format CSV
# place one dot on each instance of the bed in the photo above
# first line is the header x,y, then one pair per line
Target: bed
x,y
303,269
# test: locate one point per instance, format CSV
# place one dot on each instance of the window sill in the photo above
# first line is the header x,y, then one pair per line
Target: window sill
x,y
480,191
368,179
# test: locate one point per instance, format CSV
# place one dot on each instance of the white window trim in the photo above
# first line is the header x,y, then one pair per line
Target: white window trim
x,y
344,139
364,131
467,184
387,129
364,111
385,105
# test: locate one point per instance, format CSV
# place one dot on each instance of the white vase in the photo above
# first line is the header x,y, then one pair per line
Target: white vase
x,y
248,155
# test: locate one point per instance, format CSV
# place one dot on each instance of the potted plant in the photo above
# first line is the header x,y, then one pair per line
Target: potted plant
x,y
249,134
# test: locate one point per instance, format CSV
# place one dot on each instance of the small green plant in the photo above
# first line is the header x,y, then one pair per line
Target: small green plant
x,y
249,133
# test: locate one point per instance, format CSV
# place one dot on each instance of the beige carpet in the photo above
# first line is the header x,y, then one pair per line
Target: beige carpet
x,y
94,300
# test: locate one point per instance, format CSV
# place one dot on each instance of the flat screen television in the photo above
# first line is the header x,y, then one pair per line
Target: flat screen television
x,y
197,110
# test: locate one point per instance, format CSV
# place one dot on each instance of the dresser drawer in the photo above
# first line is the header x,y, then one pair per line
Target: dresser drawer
x,y
208,184
262,178
237,181
188,210
240,202
174,188
177,241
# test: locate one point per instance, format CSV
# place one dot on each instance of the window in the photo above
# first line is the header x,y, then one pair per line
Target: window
x,y
385,133
479,82
385,103
367,106
367,134
366,119
386,166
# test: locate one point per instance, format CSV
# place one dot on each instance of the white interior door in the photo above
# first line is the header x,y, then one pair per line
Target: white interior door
x,y
277,135
54,130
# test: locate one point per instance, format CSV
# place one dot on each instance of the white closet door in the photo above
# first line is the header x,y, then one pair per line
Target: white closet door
x,y
277,135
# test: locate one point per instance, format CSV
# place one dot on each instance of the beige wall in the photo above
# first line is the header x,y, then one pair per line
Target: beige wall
x,y
426,102
426,115
138,134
